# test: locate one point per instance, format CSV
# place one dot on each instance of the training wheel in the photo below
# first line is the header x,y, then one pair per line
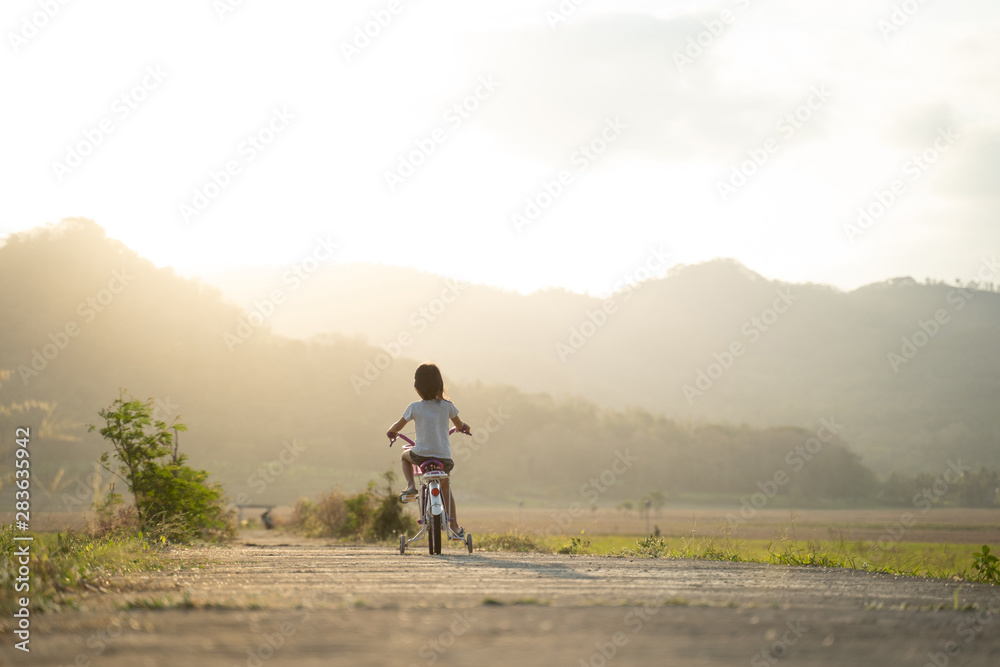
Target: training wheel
x,y
402,544
468,541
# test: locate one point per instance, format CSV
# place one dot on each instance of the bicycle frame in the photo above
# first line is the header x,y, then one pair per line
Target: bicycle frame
x,y
433,505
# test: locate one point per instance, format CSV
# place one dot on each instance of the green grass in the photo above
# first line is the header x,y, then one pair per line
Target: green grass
x,y
64,563
493,602
921,559
944,561
512,540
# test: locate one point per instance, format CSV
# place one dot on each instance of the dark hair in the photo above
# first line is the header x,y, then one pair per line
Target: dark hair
x,y
428,382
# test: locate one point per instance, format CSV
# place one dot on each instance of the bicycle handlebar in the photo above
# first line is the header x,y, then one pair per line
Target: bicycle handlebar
x,y
400,435
413,444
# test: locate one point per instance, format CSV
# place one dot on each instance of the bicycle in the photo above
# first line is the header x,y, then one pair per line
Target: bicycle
x,y
433,507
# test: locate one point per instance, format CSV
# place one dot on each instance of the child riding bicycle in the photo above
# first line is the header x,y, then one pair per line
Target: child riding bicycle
x,y
430,415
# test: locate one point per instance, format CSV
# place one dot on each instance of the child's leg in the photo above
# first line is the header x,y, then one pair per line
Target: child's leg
x,y
408,471
452,512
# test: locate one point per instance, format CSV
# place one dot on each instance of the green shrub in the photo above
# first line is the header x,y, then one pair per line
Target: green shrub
x,y
171,499
331,511
645,547
387,517
987,566
374,514
305,519
509,541
113,517
576,545
359,513
63,563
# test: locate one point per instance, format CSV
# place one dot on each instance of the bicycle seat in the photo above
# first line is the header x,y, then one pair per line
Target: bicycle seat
x,y
431,465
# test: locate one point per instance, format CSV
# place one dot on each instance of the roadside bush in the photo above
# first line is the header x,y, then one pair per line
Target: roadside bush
x,y
512,540
305,519
986,565
374,514
331,511
325,518
387,517
64,563
576,545
182,506
645,547
113,517
171,499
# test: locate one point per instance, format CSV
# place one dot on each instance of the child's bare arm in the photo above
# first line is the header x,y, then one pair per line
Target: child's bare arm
x,y
395,429
461,425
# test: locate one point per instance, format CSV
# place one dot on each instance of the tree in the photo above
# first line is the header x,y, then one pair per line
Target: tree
x,y
169,496
978,489
658,499
137,451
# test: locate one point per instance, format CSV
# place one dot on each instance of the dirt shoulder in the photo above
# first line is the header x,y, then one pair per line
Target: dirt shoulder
x,y
288,601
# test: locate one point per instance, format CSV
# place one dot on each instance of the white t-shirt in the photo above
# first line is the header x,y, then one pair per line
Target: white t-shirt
x,y
431,419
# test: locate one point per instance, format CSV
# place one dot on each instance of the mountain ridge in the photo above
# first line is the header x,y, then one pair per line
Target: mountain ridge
x,y
164,336
637,356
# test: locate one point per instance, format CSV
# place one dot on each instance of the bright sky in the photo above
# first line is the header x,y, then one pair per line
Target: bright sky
x,y
833,98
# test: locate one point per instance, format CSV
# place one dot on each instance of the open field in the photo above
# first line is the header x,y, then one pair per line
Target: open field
x,y
939,543
278,599
274,599
952,525
961,526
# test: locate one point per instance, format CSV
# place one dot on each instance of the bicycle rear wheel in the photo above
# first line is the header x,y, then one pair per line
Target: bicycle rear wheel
x,y
434,535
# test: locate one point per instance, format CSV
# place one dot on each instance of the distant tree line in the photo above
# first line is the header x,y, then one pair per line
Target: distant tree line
x,y
164,336
970,488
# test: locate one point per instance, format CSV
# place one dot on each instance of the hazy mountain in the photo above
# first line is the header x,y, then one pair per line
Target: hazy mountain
x,y
275,419
905,405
